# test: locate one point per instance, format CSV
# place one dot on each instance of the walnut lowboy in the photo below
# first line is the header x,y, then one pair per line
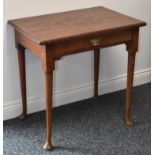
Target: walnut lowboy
x,y
53,36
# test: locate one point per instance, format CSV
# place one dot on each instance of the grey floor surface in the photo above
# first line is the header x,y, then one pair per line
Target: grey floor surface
x,y
87,127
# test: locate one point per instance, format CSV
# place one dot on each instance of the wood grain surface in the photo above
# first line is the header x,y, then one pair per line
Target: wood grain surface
x,y
55,27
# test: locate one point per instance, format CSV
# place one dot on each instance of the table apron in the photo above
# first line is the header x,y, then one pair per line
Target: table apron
x,y
78,45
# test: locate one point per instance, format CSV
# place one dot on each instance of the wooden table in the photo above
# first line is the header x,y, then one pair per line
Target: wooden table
x,y
53,36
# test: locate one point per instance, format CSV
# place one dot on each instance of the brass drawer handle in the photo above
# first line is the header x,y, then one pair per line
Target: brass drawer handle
x,y
95,41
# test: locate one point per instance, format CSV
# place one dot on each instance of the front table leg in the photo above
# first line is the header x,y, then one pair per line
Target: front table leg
x,y
130,74
48,91
21,61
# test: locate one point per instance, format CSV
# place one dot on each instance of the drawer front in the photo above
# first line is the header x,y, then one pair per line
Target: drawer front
x,y
78,45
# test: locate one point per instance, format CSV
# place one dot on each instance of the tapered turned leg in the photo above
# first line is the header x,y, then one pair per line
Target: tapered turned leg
x,y
49,92
96,71
21,60
130,74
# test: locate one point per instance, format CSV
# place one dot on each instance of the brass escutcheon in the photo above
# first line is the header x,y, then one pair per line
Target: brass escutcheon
x,y
95,41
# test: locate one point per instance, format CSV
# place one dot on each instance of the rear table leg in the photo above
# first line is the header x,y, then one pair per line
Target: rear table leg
x,y
21,61
96,71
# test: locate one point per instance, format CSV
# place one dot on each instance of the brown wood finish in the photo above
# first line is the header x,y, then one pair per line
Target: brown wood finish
x,y
22,73
132,48
67,47
53,36
49,92
96,71
50,28
131,62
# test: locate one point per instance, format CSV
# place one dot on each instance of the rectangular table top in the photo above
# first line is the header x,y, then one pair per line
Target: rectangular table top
x,y
50,28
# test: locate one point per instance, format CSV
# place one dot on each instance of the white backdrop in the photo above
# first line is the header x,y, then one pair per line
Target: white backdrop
x,y
74,74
